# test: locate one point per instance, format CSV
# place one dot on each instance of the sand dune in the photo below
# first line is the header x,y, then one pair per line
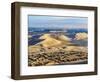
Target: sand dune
x,y
56,49
81,36
60,37
45,36
64,38
52,41
76,48
49,41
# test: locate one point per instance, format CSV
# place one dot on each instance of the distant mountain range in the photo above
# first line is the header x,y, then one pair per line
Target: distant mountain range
x,y
31,29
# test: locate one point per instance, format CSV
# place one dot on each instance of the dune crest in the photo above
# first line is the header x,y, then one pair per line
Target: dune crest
x,y
50,40
64,38
81,36
45,36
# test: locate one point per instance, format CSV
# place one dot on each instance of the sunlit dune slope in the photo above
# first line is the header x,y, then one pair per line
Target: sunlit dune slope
x,y
52,41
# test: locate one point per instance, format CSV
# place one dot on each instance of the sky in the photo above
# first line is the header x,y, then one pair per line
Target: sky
x,y
35,21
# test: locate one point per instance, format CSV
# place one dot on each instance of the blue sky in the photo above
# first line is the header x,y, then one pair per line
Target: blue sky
x,y
57,22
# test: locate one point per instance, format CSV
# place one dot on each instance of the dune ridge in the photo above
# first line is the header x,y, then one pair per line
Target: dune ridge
x,y
50,40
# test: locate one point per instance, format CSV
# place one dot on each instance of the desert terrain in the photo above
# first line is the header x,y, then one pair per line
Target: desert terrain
x,y
57,49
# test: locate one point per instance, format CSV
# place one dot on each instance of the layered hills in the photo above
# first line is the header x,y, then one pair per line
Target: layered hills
x,y
53,40
56,49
